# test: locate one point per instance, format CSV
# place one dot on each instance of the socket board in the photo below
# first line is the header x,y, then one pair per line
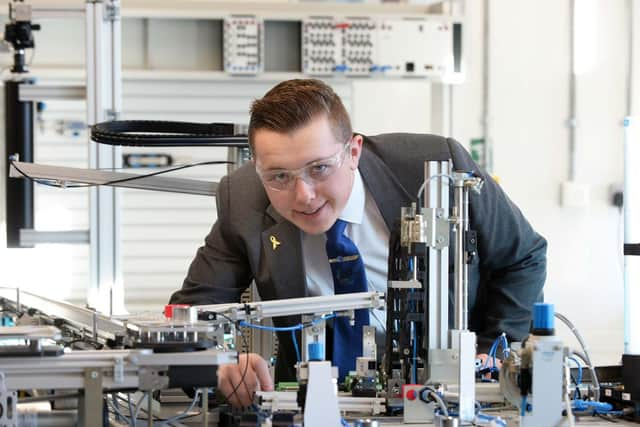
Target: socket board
x,y
358,45
321,46
398,54
361,46
243,44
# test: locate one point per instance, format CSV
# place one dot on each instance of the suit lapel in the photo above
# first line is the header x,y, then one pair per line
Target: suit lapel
x,y
282,250
388,193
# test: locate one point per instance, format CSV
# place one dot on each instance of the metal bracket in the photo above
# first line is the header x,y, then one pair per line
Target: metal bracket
x,y
8,401
118,370
112,12
369,348
404,284
92,399
437,226
111,115
150,378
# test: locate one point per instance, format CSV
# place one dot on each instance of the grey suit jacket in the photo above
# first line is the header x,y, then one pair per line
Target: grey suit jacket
x,y
505,279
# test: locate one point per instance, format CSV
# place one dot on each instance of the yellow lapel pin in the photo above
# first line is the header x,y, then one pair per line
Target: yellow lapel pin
x,y
274,242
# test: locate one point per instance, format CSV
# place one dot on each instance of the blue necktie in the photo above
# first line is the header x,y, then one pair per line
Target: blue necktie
x,y
349,276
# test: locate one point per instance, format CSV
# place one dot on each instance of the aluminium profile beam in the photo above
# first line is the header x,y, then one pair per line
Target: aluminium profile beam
x,y
83,317
124,368
294,306
36,237
49,92
68,175
287,401
437,196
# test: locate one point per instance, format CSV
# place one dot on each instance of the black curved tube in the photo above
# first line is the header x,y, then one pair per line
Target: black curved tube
x,y
156,133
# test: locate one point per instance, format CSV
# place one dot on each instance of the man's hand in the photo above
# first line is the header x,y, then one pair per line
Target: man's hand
x,y
256,377
482,359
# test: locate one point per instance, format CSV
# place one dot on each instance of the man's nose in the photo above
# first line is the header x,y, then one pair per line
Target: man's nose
x,y
305,192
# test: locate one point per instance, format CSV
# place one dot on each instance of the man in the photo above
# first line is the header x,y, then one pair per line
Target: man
x,y
309,170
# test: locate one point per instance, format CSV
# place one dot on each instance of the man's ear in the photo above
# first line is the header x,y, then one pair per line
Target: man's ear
x,y
355,151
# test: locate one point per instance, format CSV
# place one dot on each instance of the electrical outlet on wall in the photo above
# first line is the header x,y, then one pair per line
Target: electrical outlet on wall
x,y
616,195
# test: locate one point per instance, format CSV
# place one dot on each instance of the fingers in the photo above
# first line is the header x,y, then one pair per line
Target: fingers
x,y
485,360
239,382
226,389
261,368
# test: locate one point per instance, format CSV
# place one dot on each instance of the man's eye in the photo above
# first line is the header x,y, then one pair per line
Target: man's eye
x,y
279,177
320,170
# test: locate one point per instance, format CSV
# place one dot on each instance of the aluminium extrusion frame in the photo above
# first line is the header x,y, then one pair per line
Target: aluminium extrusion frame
x,y
90,320
65,174
99,326
104,102
437,197
275,401
120,368
294,306
103,93
96,371
451,352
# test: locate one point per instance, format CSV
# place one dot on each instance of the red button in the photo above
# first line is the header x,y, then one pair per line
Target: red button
x,y
411,394
168,309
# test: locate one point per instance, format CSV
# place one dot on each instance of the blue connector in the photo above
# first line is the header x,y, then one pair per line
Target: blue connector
x,y
543,320
597,407
316,352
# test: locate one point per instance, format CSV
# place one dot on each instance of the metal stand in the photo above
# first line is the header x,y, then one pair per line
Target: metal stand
x,y
18,141
104,98
462,340
91,402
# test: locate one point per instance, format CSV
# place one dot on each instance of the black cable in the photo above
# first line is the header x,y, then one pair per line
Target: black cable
x,y
190,165
245,345
155,133
97,345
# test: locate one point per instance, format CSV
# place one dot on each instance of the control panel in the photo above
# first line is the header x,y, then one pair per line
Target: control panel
x,y
243,44
358,45
321,46
363,46
429,53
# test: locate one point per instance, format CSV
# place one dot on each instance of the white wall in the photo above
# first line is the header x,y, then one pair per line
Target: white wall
x,y
529,93
529,53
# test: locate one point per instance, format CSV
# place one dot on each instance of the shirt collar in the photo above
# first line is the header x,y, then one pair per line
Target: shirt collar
x,y
353,211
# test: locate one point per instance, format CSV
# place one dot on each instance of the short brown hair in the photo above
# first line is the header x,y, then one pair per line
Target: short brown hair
x,y
292,104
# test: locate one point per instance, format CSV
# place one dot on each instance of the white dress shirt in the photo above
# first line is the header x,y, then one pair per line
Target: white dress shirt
x,y
367,229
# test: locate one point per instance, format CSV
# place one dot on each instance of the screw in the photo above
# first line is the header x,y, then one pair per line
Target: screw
x,y
440,239
93,375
